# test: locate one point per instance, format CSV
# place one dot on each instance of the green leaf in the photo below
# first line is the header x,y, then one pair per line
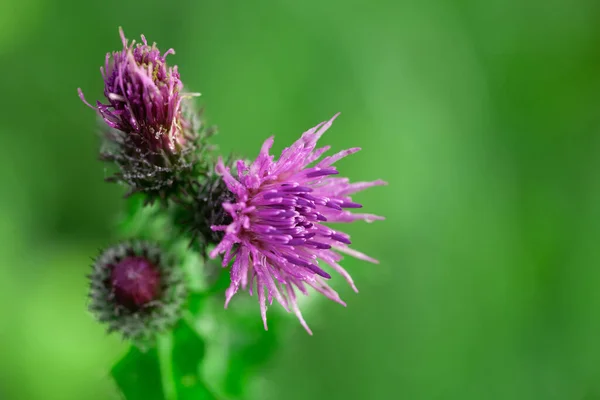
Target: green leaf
x,y
196,303
238,344
188,353
174,364
249,347
138,376
192,265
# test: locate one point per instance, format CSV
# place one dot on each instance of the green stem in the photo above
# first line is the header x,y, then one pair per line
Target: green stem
x,y
165,349
189,318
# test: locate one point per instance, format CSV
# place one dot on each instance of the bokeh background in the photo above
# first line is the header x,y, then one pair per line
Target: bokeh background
x,y
484,116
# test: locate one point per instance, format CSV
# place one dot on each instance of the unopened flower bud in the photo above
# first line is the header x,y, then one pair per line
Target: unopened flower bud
x,y
203,210
135,290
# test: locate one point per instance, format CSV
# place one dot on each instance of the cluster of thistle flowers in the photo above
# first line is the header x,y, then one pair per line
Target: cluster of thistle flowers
x,y
266,219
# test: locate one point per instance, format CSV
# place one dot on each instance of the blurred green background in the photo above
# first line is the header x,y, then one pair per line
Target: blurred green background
x,y
484,116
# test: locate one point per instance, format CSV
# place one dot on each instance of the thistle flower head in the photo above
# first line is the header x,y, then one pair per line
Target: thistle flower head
x,y
278,237
136,290
153,134
144,96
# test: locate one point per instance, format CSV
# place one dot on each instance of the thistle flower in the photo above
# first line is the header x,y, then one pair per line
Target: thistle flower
x,y
144,96
152,129
135,290
277,237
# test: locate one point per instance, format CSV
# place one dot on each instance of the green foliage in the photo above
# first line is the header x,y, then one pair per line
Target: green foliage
x,y
169,371
237,344
149,222
249,348
138,375
187,355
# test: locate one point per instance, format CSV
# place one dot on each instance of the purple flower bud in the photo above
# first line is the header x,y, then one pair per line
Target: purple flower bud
x,y
153,133
135,282
136,290
144,97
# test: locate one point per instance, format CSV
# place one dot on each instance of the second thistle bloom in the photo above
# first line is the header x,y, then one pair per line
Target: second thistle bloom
x,y
278,237
144,96
152,130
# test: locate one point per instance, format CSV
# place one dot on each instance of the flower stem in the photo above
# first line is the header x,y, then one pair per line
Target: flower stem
x,y
165,349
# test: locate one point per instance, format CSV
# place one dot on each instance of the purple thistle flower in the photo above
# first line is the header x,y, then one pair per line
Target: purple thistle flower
x,y
277,236
144,96
153,134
